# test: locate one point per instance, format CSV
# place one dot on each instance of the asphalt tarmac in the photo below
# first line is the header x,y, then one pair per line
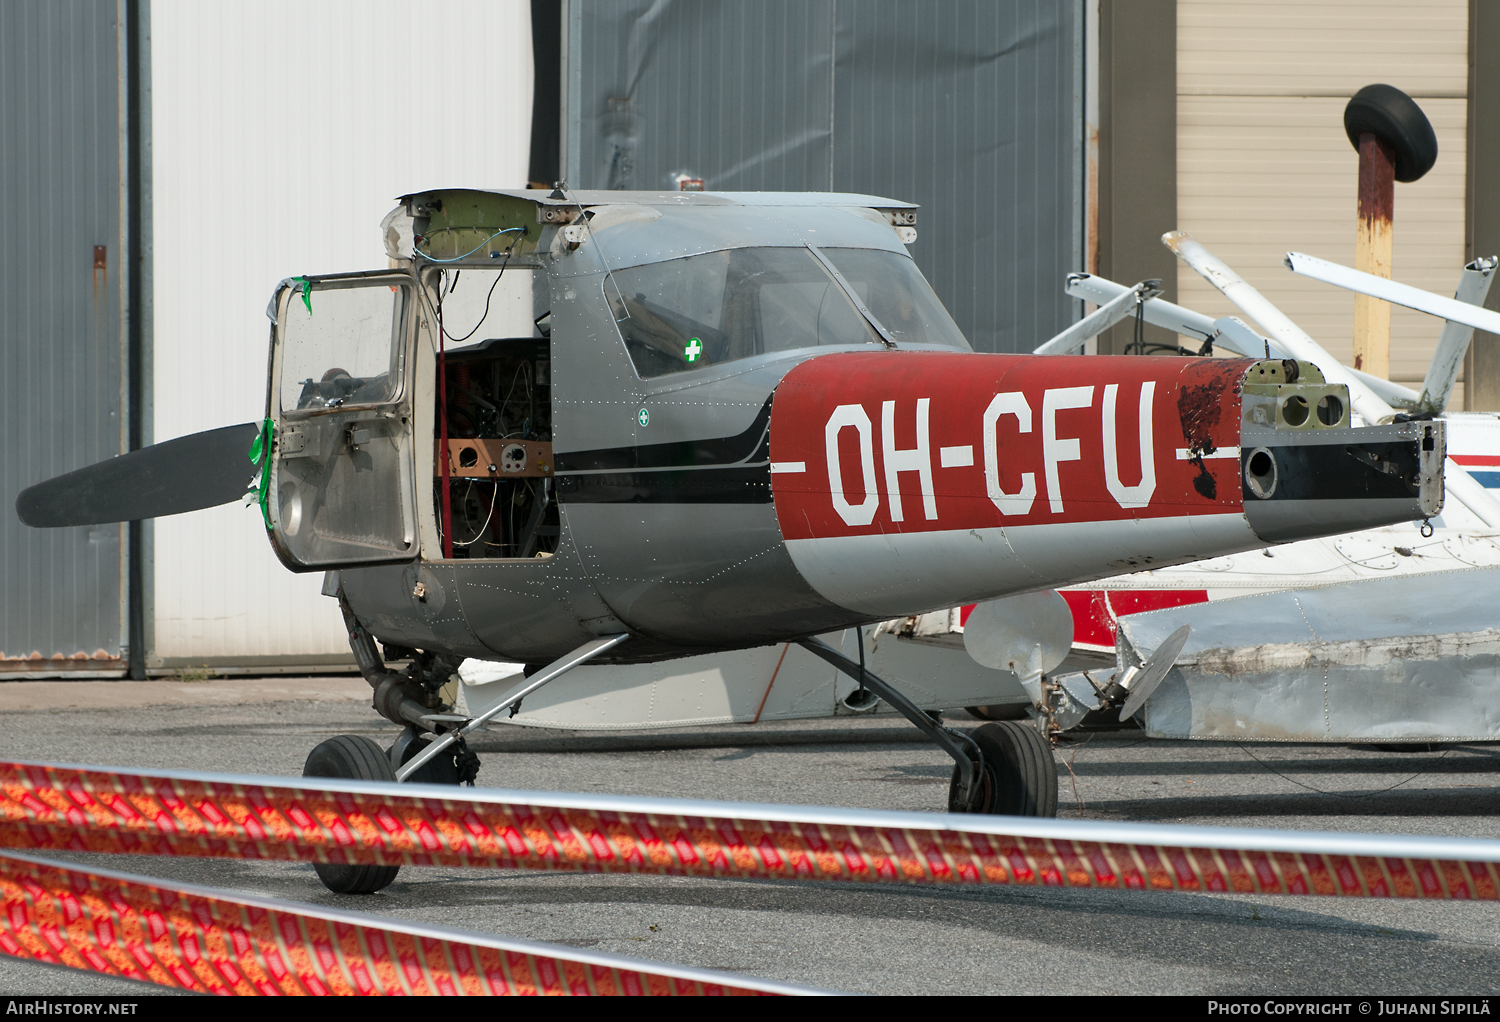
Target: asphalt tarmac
x,y
885,940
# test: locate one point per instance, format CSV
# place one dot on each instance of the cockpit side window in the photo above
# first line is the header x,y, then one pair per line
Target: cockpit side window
x,y
709,309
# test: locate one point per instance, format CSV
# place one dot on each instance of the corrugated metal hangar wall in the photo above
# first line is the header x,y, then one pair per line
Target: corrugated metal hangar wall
x,y
972,108
1263,165
1224,118
63,286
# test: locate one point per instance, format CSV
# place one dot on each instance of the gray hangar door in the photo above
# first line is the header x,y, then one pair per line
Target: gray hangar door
x,y
971,108
61,392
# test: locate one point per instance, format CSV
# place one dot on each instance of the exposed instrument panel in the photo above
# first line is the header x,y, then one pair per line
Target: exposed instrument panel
x,y
499,501
477,458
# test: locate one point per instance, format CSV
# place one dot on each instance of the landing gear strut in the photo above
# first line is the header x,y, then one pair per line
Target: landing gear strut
x,y
1005,768
410,700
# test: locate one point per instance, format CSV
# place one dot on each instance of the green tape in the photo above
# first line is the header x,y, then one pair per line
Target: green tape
x,y
260,456
306,292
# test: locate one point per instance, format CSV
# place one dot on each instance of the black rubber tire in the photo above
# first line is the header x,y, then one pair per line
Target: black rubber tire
x,y
351,758
1020,773
442,770
1393,117
999,711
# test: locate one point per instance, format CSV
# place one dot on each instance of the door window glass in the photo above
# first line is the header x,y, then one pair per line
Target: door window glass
x,y
344,350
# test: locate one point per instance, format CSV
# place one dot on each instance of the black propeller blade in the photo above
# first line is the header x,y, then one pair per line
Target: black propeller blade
x,y
186,474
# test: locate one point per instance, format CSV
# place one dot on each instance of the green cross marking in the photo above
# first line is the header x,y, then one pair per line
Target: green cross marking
x,y
643,417
694,349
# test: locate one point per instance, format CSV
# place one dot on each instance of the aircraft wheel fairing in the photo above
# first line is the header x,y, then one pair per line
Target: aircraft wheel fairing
x,y
442,770
1020,775
354,758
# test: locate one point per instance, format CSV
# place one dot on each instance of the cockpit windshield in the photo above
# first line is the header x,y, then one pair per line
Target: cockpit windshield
x,y
708,309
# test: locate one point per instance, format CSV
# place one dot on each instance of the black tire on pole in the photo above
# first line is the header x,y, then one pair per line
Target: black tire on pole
x,y
1393,117
1020,775
351,758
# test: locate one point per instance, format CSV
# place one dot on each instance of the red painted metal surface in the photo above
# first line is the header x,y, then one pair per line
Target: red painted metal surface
x,y
1138,601
1093,623
1095,611
897,442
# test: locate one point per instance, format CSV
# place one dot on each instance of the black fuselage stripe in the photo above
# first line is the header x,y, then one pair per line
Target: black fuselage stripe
x,y
712,453
738,484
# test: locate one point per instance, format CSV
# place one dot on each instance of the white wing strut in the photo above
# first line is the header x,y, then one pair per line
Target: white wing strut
x,y
1117,308
1285,334
1464,313
1160,313
1391,291
1229,333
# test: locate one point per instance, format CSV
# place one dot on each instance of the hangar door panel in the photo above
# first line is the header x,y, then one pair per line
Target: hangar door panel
x,y
970,108
343,478
63,286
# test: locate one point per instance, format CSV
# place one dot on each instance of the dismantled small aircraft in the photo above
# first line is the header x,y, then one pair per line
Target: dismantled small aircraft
x,y
627,427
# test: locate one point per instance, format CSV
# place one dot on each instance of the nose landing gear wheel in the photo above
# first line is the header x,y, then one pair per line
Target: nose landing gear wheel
x,y
352,758
1020,775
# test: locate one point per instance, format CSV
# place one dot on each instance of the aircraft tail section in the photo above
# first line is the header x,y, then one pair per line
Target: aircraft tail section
x,y
910,480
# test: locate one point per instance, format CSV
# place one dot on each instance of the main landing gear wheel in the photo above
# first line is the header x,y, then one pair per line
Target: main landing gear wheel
x,y
351,758
1020,775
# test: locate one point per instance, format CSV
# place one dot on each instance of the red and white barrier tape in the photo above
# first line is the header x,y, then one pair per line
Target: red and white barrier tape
x,y
208,941
316,820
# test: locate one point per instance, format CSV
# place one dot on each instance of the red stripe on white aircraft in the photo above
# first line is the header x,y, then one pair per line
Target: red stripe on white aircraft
x,y
1096,611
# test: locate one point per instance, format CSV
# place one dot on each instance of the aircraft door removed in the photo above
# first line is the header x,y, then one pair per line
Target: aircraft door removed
x,y
341,486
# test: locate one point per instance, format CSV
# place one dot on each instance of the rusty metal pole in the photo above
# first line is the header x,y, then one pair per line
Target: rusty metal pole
x,y
1372,253
1396,142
